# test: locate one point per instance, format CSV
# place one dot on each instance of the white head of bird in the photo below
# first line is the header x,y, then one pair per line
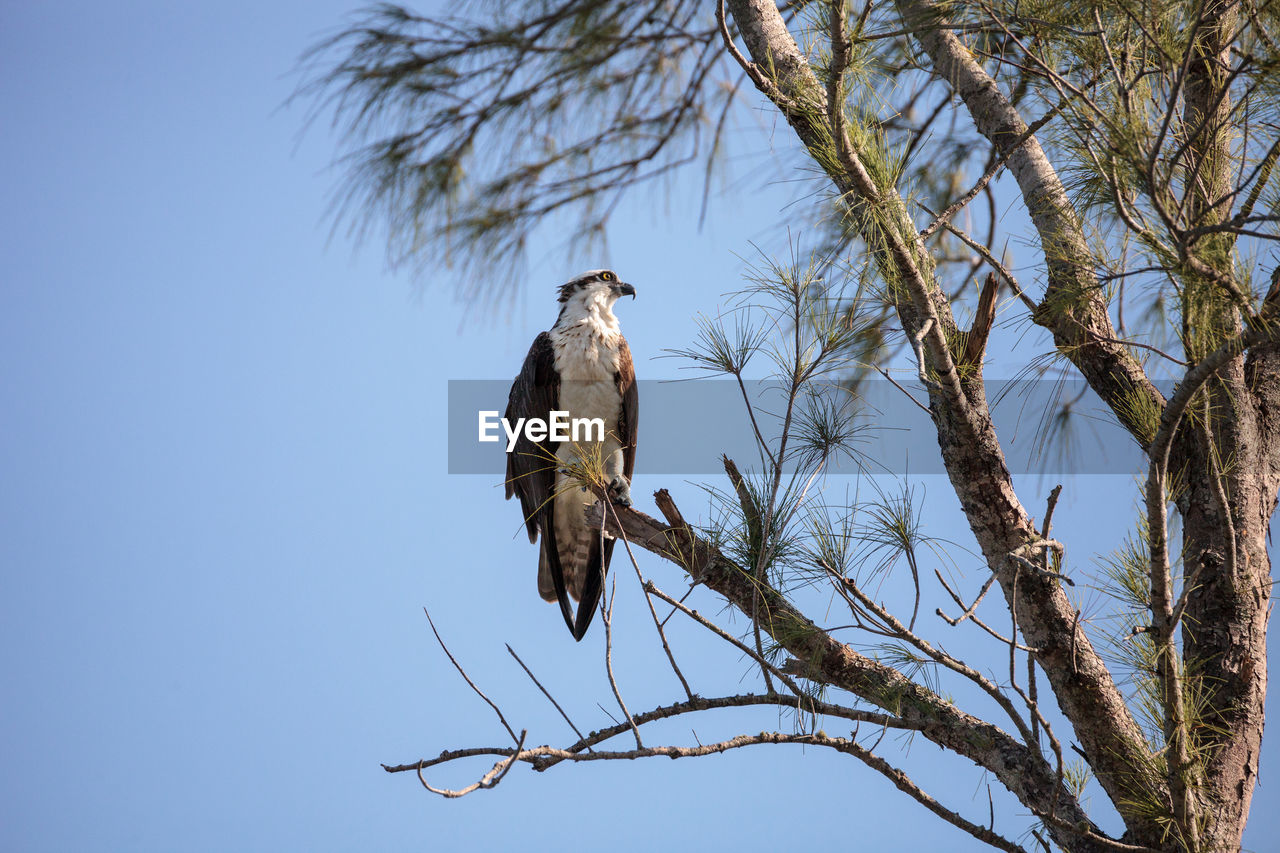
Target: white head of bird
x,y
588,299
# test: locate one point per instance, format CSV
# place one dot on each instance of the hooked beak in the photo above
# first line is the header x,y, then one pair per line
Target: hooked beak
x,y
624,289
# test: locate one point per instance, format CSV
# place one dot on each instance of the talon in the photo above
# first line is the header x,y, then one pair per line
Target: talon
x,y
620,492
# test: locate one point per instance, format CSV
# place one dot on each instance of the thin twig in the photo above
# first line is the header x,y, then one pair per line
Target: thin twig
x,y
652,612
606,615
674,610
727,637
467,678
946,660
946,215
755,536
1046,545
1130,343
886,375
903,783
982,250
969,612
1052,504
1032,699
550,698
751,413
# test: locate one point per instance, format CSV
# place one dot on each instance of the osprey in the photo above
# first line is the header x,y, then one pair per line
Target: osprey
x,y
581,366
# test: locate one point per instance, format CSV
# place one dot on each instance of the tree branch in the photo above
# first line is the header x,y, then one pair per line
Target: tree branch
x,y
1072,307
1019,768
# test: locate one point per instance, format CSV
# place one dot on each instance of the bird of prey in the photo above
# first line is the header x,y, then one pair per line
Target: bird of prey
x,y
581,366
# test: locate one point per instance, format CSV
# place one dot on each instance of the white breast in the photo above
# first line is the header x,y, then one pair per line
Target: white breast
x,y
586,357
587,363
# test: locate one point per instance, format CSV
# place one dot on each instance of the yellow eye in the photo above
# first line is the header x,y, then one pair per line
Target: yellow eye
x,y
606,276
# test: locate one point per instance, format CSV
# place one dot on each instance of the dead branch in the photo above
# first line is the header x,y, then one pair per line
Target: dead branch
x,y
662,634
467,678
550,698
975,347
488,780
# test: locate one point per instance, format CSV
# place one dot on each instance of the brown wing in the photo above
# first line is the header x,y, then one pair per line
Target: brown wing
x,y
531,466
530,469
628,421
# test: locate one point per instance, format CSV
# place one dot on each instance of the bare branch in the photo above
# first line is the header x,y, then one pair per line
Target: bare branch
x,y
550,698
903,783
942,657
696,705
488,780
467,678
606,615
662,634
754,654
991,260
969,611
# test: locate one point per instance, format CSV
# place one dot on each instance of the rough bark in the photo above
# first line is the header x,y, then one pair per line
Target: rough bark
x,y
1212,753
1224,629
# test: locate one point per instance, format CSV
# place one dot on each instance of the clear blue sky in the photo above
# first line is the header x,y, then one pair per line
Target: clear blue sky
x,y
225,498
